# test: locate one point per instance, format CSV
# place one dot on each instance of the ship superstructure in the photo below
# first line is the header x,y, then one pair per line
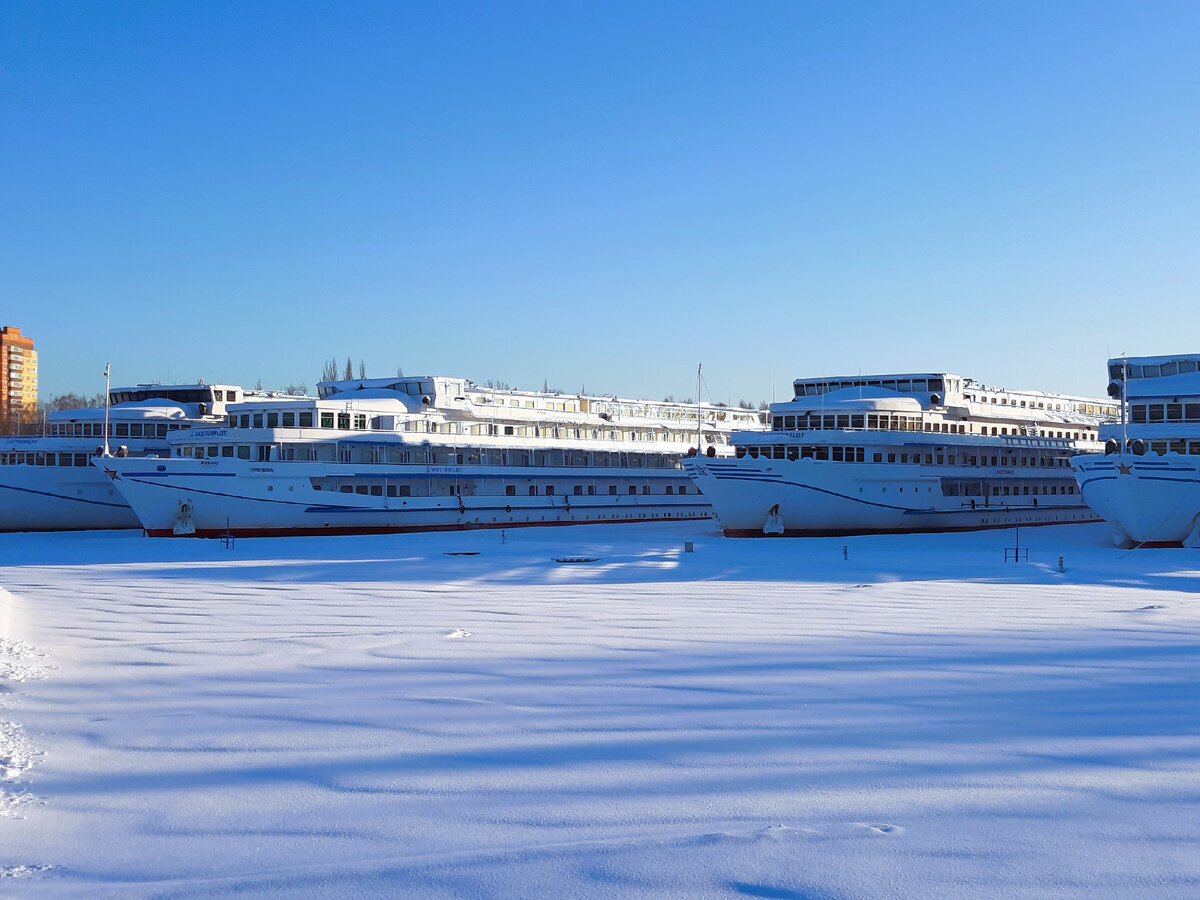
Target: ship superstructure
x,y
425,453
908,452
47,483
1146,483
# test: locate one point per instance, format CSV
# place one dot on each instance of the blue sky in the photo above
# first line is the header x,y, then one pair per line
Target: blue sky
x,y
599,195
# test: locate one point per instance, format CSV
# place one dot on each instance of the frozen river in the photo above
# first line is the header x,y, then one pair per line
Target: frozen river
x,y
872,717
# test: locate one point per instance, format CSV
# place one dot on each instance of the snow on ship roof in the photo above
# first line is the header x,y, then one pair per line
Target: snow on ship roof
x,y
854,396
390,387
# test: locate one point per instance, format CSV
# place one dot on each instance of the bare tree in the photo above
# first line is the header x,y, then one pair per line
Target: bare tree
x,y
349,369
330,370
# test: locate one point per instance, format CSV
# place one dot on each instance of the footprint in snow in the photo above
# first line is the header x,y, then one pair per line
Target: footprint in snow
x,y
881,829
458,633
1152,606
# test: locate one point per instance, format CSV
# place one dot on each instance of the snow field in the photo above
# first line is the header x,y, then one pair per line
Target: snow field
x,y
369,716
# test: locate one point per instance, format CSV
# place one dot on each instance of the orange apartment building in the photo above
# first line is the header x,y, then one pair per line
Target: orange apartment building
x,y
18,379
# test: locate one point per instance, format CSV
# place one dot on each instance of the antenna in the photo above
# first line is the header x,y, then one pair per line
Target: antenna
x,y
1124,404
699,416
107,398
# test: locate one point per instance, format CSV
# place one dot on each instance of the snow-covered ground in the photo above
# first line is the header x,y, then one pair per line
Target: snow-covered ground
x,y
760,718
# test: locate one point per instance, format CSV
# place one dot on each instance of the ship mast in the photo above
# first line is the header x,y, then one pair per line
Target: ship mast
x,y
1124,404
699,417
107,366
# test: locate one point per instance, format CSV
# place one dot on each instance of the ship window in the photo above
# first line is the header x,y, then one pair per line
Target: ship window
x,y
739,452
405,490
377,490
822,453
227,449
306,420
872,421
843,421
1169,368
288,419
1137,412
549,489
1194,448
135,429
1178,446
806,453
273,420
837,454
243,451
510,490
793,453
1159,447
360,422
670,489
343,421
856,421
633,489
347,489
1156,412
1187,365
258,420
829,422
777,423
1174,412
122,429
789,422
778,451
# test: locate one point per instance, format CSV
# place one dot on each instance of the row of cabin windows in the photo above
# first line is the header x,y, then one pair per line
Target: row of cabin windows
x,y
394,455
31,458
1162,448
1174,367
342,421
821,422
115,429
1164,412
902,385
856,454
975,489
229,451
510,490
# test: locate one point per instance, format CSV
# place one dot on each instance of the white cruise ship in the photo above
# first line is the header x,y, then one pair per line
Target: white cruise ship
x,y
427,453
899,453
47,483
1146,484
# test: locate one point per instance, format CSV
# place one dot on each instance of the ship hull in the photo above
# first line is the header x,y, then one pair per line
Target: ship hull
x,y
37,498
1152,500
758,497
213,498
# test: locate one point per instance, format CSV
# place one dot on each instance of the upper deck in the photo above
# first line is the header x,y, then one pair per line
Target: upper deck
x,y
934,400
1173,376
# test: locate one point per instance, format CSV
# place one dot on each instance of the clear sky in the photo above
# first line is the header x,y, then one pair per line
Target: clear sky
x,y
599,195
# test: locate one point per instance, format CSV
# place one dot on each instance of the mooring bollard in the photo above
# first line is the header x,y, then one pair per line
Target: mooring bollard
x,y
688,547
845,551
1061,568
502,538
